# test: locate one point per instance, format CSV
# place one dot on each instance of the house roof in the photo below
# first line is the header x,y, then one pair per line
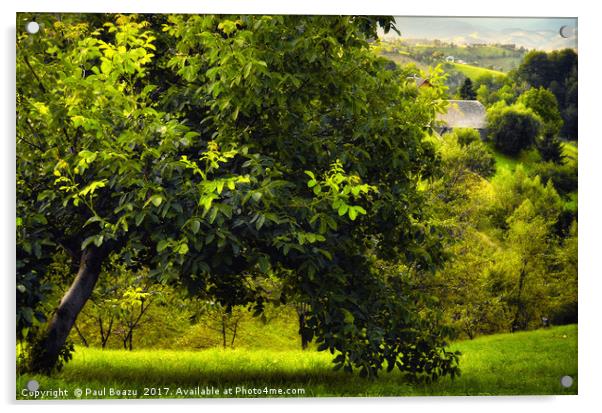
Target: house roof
x,y
464,114
420,82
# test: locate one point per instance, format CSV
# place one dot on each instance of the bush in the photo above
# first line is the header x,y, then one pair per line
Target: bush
x,y
467,135
512,128
550,148
563,176
479,159
472,155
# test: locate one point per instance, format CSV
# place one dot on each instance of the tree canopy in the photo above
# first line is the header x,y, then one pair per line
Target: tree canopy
x,y
513,128
220,150
556,71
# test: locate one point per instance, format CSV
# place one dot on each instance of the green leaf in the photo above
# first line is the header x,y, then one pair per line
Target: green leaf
x,y
93,219
256,196
106,66
352,213
213,214
155,200
219,186
264,264
310,174
164,243
259,222
139,218
347,316
96,239
92,187
247,70
360,210
343,209
88,156
183,249
195,225
206,202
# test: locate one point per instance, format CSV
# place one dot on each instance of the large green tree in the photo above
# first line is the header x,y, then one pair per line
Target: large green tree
x,y
544,104
219,149
556,71
512,128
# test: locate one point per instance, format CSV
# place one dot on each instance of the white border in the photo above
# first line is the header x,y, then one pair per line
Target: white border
x,y
589,23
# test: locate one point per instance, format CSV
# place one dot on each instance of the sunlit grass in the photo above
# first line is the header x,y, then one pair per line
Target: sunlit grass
x,y
519,363
475,72
526,158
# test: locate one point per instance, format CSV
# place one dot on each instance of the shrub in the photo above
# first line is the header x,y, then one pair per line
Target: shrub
x,y
550,148
473,156
479,159
513,128
467,135
563,176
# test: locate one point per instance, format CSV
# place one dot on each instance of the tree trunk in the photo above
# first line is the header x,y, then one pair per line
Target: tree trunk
x,y
304,340
234,328
224,331
105,338
517,323
45,353
81,336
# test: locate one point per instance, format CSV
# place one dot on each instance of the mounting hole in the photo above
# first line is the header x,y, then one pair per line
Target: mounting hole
x,y
566,381
33,385
32,27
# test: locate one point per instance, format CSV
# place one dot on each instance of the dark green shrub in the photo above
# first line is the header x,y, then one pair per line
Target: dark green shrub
x,y
513,128
550,148
563,176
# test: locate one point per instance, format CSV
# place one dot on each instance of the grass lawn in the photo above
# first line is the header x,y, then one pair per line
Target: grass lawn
x,y
526,158
474,72
524,363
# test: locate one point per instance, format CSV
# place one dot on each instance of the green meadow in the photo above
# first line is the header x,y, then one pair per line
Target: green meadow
x,y
474,72
524,363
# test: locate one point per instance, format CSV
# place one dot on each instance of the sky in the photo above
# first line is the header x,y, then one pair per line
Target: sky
x,y
531,33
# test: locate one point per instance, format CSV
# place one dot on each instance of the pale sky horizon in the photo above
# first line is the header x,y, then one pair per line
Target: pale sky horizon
x,y
530,32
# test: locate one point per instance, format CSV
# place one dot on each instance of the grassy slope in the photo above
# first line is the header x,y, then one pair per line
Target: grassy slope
x,y
529,158
503,364
474,72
